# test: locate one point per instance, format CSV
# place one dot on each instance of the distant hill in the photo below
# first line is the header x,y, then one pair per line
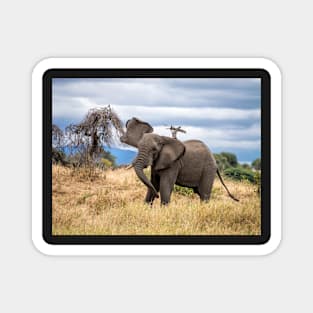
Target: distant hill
x,y
122,156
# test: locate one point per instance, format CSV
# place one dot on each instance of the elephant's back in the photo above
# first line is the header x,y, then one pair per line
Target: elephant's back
x,y
195,144
197,158
197,151
198,147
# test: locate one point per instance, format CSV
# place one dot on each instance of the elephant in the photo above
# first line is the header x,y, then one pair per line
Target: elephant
x,y
188,164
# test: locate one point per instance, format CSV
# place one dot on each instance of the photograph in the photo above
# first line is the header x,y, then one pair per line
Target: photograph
x,y
156,156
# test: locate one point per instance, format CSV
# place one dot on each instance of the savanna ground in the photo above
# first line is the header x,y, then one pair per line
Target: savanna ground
x,y
95,202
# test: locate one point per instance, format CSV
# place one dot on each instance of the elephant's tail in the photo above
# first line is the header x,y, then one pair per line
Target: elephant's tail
x,y
220,177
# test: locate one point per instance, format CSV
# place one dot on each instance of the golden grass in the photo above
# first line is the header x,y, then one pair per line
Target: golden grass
x,y
111,203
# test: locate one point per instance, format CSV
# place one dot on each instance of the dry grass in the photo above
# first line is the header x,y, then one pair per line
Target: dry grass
x,y
111,203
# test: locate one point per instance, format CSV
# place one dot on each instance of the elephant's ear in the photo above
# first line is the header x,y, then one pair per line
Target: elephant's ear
x,y
172,150
135,129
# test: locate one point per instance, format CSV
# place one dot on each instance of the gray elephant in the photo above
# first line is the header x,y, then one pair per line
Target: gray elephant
x,y
189,163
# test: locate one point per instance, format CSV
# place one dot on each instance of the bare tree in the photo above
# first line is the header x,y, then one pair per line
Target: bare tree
x,y
100,127
174,131
57,136
58,155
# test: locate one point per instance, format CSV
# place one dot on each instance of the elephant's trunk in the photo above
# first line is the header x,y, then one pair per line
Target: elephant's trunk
x,y
138,166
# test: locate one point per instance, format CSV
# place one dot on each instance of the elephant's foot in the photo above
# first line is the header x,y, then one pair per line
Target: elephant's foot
x,y
149,202
150,196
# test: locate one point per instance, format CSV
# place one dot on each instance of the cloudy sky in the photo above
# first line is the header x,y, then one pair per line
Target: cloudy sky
x,y
224,113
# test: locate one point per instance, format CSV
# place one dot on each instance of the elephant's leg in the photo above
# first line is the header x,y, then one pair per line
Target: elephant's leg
x,y
206,184
155,180
167,181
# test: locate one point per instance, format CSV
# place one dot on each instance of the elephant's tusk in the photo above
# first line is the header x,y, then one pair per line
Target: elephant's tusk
x,y
129,166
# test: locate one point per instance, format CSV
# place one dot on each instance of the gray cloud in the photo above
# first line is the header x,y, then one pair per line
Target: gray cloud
x,y
224,113
165,92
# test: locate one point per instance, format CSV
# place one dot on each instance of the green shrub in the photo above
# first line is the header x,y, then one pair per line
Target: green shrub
x,y
257,178
105,163
185,191
230,157
245,166
222,162
238,173
225,160
256,164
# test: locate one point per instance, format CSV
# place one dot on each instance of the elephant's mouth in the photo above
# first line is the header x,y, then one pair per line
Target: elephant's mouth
x,y
123,139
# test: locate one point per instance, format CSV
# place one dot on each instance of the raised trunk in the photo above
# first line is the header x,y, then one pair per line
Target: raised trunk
x,y
138,166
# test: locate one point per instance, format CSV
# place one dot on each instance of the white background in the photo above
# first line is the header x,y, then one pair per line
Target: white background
x,y
32,30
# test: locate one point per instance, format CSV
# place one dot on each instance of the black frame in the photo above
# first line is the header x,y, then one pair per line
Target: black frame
x,y
158,239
